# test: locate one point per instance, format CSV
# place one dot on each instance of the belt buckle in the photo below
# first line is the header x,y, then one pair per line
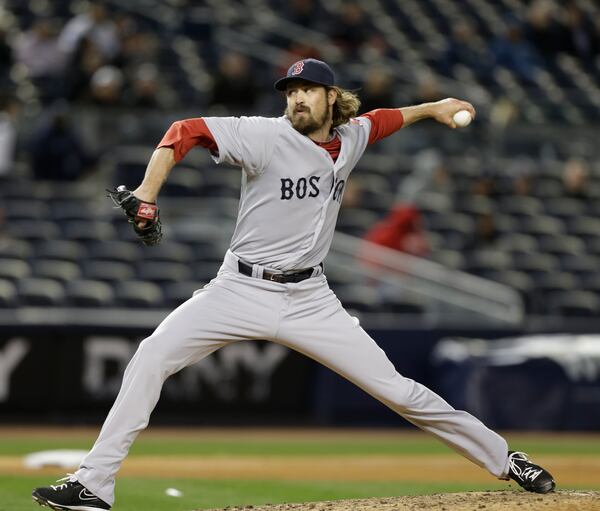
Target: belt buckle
x,y
276,277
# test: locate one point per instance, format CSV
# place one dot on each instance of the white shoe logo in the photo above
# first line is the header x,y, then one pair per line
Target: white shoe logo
x,y
87,495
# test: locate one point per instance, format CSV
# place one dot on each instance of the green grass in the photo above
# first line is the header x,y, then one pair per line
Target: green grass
x,y
326,447
148,494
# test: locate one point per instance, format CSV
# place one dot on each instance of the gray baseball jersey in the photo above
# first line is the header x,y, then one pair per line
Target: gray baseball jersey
x,y
289,203
291,187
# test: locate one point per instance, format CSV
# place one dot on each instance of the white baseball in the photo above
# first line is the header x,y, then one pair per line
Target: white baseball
x,y
462,118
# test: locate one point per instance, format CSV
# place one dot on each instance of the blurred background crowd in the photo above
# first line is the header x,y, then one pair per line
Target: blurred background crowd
x,y
88,88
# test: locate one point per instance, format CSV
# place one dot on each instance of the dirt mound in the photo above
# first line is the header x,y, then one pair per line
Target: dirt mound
x,y
471,501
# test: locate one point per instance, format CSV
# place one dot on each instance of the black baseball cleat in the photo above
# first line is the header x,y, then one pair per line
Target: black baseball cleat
x,y
68,495
531,477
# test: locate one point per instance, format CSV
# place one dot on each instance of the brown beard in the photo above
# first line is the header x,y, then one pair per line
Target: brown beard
x,y
308,123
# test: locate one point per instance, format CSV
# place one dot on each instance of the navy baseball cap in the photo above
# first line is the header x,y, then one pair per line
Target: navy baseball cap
x,y
311,70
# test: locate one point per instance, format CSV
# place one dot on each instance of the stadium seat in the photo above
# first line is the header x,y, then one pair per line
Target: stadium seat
x,y
115,250
77,209
33,230
480,261
542,226
575,304
40,292
161,272
518,243
172,252
89,293
107,271
15,249
138,294
561,245
22,209
554,282
14,269
60,249
581,264
205,271
57,270
403,304
88,230
8,294
175,293
449,258
536,263
356,297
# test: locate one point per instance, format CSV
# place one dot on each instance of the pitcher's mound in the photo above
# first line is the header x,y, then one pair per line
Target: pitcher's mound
x,y
472,501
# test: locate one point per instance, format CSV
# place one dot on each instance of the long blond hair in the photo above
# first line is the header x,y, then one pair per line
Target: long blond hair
x,y
345,107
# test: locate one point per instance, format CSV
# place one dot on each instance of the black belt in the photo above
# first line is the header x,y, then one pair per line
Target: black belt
x,y
283,277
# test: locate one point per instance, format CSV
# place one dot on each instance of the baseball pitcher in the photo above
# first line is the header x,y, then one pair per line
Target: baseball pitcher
x,y
271,284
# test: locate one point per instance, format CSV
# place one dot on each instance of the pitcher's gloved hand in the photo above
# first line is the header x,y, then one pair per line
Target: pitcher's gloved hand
x,y
143,215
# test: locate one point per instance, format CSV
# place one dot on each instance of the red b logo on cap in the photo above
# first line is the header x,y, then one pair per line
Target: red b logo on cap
x,y
298,67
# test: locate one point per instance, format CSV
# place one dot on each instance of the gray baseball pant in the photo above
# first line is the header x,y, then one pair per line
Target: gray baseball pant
x,y
304,316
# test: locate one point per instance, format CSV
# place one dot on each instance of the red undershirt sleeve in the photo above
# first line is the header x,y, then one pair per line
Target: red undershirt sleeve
x,y
184,135
384,122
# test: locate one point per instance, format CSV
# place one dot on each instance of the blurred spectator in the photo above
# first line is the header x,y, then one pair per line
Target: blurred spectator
x,y
137,46
376,48
353,194
86,60
485,234
144,90
307,13
428,89
579,33
8,133
234,84
377,90
430,177
55,148
504,112
402,230
542,28
95,25
38,50
515,53
6,57
106,86
576,177
350,29
521,173
486,184
465,48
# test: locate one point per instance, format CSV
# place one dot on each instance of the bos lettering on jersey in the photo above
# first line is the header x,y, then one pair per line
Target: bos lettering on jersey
x,y
308,187
291,188
303,187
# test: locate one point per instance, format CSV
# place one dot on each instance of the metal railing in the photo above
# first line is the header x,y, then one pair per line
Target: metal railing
x,y
433,281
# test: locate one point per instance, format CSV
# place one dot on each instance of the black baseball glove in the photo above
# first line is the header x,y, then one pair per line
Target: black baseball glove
x,y
137,211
